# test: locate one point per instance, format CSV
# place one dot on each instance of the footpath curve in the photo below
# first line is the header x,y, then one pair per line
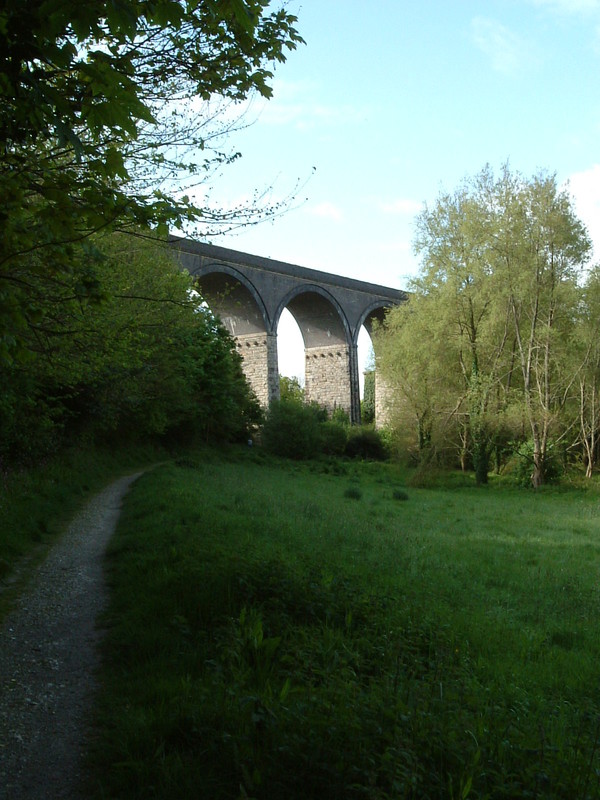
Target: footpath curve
x,y
49,659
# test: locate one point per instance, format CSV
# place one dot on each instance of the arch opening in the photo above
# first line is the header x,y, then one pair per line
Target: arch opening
x,y
328,373
233,303
290,347
240,313
366,357
380,391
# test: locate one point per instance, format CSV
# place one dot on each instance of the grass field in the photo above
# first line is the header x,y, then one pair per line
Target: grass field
x,y
321,631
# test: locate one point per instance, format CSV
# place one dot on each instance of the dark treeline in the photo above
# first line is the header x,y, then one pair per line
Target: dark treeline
x,y
143,360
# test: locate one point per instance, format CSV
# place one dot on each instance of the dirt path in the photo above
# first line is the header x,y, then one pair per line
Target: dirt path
x,y
48,659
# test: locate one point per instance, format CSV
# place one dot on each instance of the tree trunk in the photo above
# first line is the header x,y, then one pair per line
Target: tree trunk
x,y
537,476
481,460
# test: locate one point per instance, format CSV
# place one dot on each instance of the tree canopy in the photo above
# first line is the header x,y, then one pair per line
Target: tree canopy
x,y
111,110
484,350
106,108
150,362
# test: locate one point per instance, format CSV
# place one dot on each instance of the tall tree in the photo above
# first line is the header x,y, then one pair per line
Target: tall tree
x,y
456,277
106,107
425,400
540,249
495,302
587,340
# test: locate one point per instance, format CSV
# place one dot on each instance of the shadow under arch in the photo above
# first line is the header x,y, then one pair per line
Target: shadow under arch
x,y
234,299
312,307
371,316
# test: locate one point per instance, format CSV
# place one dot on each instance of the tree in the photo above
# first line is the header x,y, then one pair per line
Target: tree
x,y
105,106
455,278
367,409
150,361
290,389
410,350
493,312
540,249
587,340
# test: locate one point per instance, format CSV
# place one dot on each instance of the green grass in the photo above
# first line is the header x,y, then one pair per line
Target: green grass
x,y
273,635
36,505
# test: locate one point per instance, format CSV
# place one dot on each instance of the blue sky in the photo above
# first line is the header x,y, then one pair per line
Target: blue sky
x,y
391,102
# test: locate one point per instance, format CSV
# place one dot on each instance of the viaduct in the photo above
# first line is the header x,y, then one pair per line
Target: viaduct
x,y
249,292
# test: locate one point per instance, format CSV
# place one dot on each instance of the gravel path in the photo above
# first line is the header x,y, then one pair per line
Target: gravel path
x,y
48,659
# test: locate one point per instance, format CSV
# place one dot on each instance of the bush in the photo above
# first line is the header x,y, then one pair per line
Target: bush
x,y
333,438
366,443
520,466
340,416
292,430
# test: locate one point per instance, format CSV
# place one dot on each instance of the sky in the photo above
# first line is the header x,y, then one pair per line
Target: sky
x,y
392,102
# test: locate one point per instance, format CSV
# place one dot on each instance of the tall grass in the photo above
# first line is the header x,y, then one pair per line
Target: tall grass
x,y
274,635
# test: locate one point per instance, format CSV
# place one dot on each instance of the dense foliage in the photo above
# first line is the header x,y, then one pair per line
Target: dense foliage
x,y
367,406
149,361
109,112
498,343
294,429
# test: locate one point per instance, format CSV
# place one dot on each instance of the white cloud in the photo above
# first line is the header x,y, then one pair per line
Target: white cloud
x,y
507,52
326,210
402,205
585,190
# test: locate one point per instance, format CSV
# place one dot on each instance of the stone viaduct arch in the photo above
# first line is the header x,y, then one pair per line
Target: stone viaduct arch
x,y
249,293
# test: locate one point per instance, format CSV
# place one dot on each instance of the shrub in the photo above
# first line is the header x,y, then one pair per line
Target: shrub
x,y
292,430
353,492
520,466
340,416
333,438
366,443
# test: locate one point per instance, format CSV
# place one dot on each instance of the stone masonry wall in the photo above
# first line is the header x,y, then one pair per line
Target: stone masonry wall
x,y
327,377
384,399
259,362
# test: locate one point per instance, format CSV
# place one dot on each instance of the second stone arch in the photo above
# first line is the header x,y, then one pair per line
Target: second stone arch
x,y
329,357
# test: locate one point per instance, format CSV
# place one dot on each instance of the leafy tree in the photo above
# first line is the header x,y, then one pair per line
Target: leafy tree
x,y
587,339
486,339
290,389
149,361
540,249
426,399
454,279
106,107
